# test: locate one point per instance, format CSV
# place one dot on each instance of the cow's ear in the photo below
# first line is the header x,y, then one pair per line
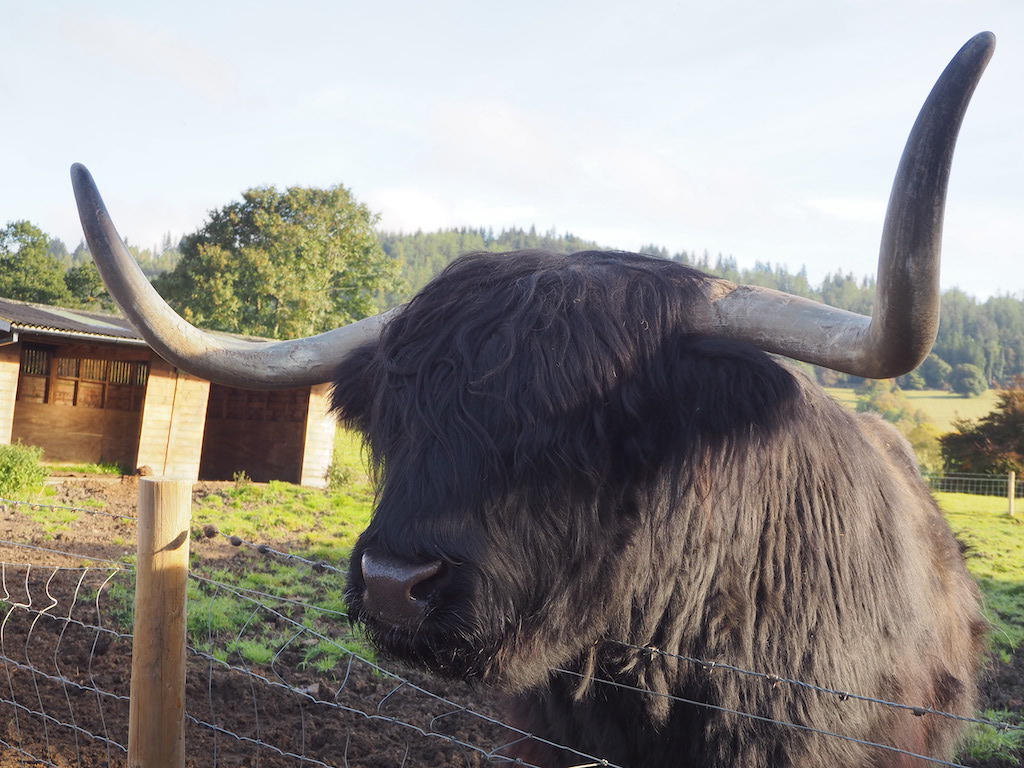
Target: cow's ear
x,y
699,393
731,387
354,386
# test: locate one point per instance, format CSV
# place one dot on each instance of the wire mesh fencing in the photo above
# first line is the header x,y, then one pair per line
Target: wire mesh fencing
x,y
977,484
276,675
64,687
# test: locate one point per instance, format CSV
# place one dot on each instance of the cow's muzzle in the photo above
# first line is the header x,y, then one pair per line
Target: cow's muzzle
x,y
399,593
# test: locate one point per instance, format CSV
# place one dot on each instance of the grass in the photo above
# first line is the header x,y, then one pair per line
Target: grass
x,y
995,557
990,743
86,469
942,408
321,526
260,611
52,521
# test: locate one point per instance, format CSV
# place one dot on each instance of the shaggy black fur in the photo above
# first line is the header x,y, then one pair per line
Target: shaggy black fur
x,y
590,470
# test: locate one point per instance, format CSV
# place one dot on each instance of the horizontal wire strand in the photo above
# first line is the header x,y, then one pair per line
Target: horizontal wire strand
x,y
760,718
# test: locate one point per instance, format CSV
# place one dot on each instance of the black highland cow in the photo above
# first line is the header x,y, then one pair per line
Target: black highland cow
x,y
564,462
584,456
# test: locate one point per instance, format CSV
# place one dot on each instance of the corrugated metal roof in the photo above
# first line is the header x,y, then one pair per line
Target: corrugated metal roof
x,y
42,318
25,316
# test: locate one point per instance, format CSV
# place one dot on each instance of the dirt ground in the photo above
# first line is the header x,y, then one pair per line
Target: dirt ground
x,y
51,714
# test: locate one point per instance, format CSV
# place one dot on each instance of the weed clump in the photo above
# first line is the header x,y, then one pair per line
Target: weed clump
x,y
21,469
339,476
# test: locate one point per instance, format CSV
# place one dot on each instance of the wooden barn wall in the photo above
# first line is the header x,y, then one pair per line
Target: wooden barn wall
x,y
173,421
10,359
318,452
10,362
70,432
270,436
259,433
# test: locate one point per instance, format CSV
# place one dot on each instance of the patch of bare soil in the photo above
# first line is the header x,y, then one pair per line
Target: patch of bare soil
x,y
280,714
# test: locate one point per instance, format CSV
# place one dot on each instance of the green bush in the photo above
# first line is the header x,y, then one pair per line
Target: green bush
x,y
20,470
993,745
339,476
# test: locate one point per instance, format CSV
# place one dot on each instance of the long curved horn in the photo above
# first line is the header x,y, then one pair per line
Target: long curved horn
x,y
905,320
225,360
895,340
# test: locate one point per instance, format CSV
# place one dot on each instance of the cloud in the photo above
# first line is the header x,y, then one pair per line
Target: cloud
x,y
149,53
409,208
851,209
497,141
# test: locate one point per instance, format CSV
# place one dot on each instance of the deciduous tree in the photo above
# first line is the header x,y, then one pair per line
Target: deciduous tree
x,y
936,372
86,287
281,264
993,443
968,380
28,271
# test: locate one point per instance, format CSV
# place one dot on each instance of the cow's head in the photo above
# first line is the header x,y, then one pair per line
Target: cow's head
x,y
523,412
518,408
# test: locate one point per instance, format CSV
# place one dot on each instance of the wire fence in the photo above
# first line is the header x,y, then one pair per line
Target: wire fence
x,y
274,678
1005,485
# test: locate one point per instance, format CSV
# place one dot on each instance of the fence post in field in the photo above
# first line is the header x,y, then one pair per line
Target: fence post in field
x,y
1012,490
156,714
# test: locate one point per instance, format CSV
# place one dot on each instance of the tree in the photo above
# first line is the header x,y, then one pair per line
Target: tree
x,y
152,261
281,264
81,254
968,380
28,271
935,371
59,251
87,289
993,443
912,380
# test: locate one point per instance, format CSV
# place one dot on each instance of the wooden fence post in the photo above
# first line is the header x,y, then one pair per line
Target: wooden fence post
x,y
1012,491
156,714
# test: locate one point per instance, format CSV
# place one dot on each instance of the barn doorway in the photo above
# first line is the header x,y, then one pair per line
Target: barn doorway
x,y
80,405
259,433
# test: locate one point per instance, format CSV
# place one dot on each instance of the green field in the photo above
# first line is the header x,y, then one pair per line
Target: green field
x,y
942,408
995,557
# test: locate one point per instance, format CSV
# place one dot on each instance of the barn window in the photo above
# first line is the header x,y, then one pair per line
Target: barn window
x,y
118,385
34,382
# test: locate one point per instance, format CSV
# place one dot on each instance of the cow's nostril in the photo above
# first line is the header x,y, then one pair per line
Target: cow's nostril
x,y
398,591
422,590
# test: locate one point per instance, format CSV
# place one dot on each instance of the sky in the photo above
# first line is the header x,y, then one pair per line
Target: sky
x,y
765,131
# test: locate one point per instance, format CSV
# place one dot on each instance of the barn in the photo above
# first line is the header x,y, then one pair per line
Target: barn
x,y
85,387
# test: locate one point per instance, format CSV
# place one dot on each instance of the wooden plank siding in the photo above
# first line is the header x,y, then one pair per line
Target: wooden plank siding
x,y
318,449
10,364
69,406
173,422
78,435
258,433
